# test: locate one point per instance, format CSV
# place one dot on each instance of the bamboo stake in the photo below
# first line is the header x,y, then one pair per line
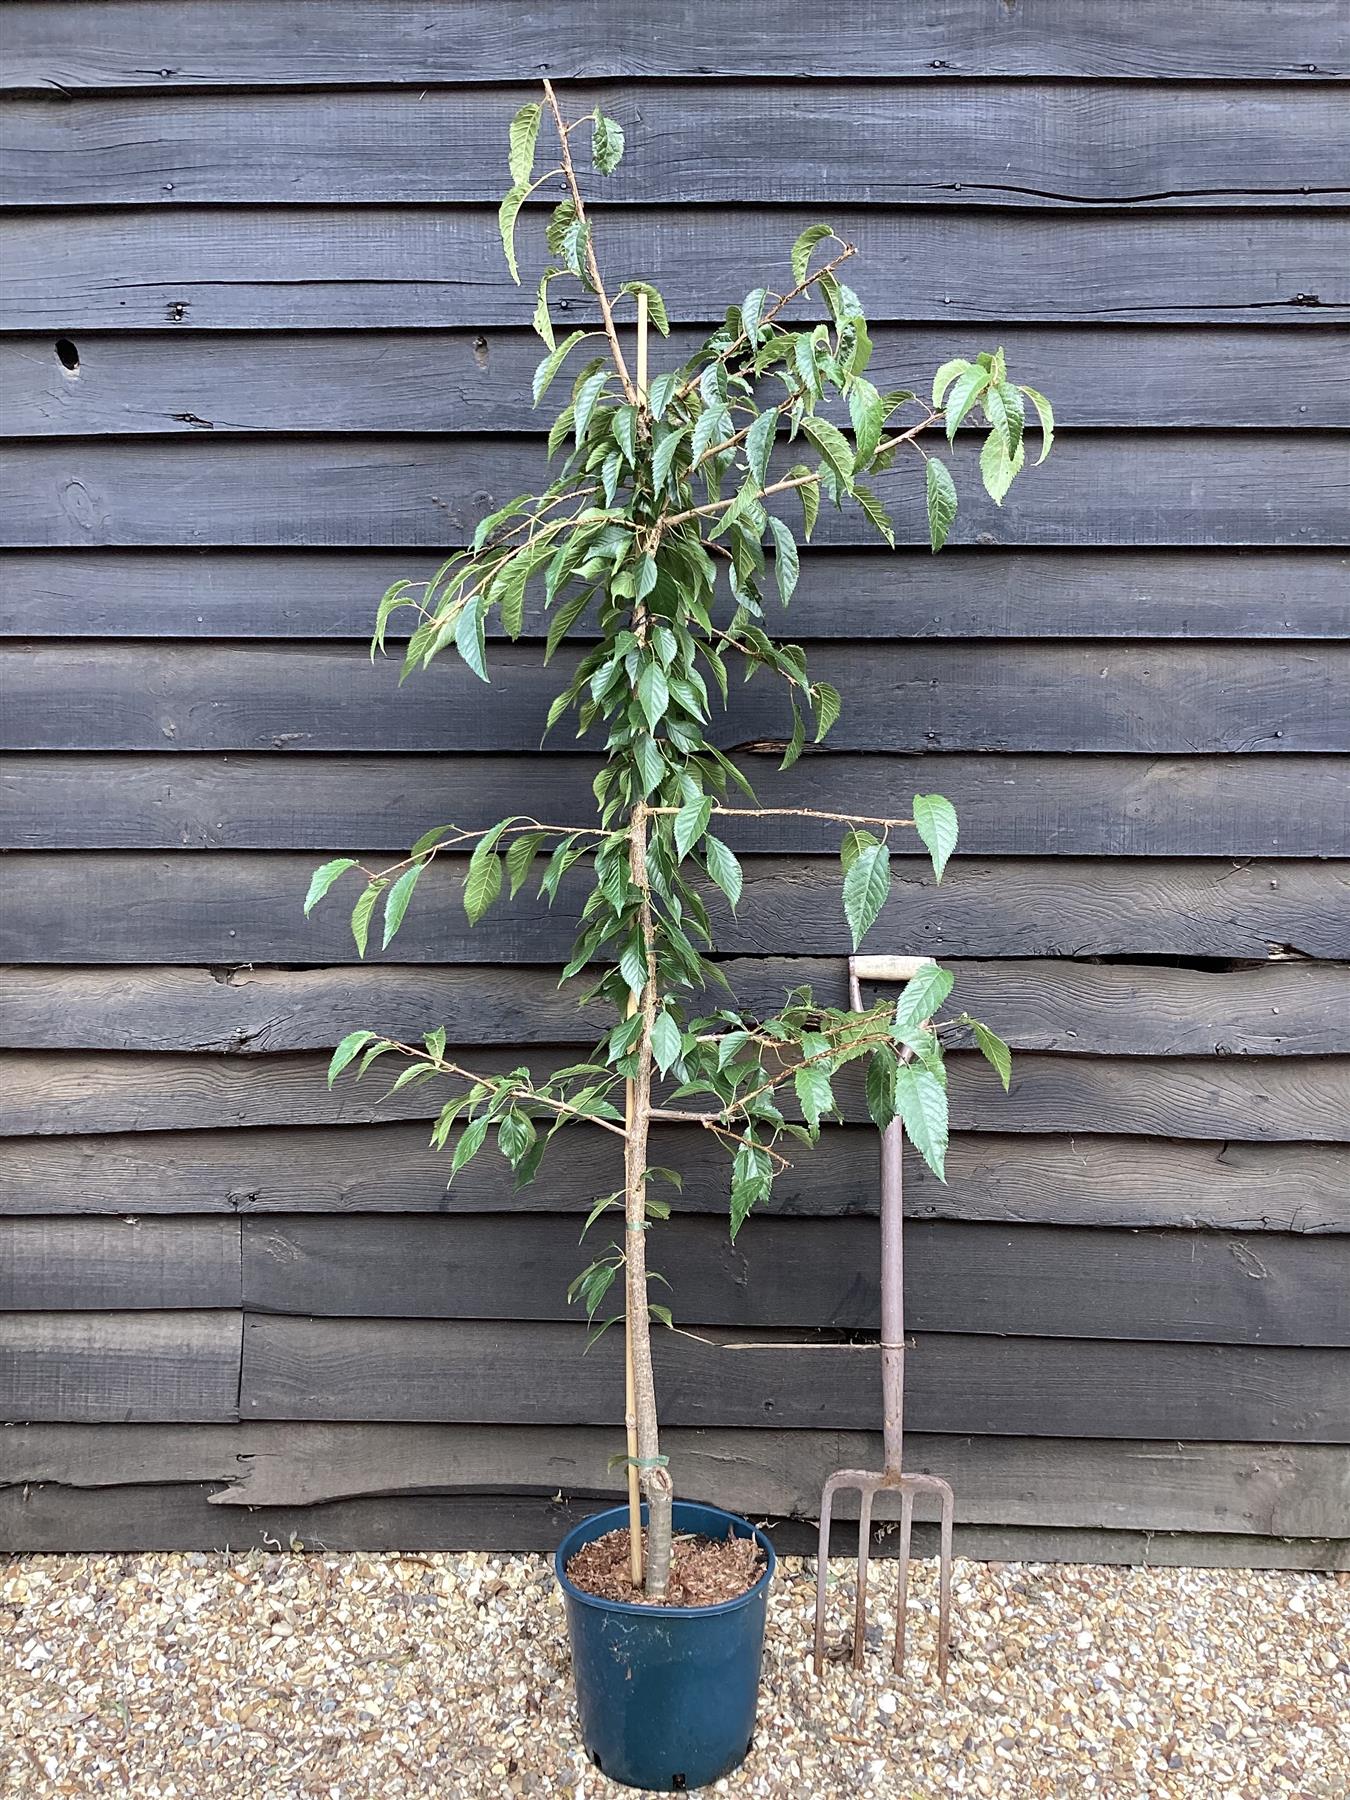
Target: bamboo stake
x,y
630,1386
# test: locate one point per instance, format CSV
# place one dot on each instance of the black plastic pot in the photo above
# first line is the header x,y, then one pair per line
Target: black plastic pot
x,y
666,1694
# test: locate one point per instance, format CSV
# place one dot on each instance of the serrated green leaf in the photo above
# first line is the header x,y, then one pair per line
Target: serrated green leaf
x,y
361,915
833,446
759,445
994,1051
523,136
827,704
724,869
877,516
921,997
541,318
323,878
866,886
810,499
483,882
662,392
588,394
623,429
664,455
815,1095
801,250
651,764
921,1101
520,856
572,248
963,396
470,640
797,742
351,1046
997,468
935,822
854,842
564,619
946,375
515,1135
606,144
633,967
396,901
470,1143
752,311
941,495
1046,414
653,694
880,1088
506,225
656,306
550,365
666,1041
786,560
690,823
508,593
868,415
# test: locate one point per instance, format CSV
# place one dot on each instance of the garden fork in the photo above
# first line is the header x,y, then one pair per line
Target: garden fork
x,y
891,1477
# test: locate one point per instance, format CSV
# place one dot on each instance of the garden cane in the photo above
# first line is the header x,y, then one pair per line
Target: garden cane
x,y
891,1477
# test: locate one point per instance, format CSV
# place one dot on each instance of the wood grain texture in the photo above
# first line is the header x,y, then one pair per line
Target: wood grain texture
x,y
144,44
1293,1490
1075,144
425,1370
1138,488
1131,1009
119,1265
964,593
308,268
179,1516
1124,376
1027,1281
1001,1178
218,908
119,1368
1161,699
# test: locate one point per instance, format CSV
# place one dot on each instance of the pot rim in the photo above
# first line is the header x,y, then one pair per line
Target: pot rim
x,y
637,1609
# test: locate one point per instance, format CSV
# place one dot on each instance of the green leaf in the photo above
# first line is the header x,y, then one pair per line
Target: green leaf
x,y
997,468
469,637
759,445
506,225
866,412
786,561
361,915
483,882
515,1134
810,498
880,1088
832,445
633,967
935,822
572,248
653,693
651,764
752,311
941,502
724,868
866,886
606,144
1045,413
470,1143
946,375
797,742
921,997
520,856
921,1101
814,1092
827,704
541,318
584,405
656,306
523,137
690,823
801,250
396,901
666,1041
623,429
663,456
564,619
714,427
1004,410
550,365
963,396
351,1046
877,516
852,846
994,1051
323,878
751,1180
508,591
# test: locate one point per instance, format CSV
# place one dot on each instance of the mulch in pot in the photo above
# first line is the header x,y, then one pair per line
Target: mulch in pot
x,y
703,1571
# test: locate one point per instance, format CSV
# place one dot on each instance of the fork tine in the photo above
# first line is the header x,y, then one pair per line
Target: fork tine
x,y
860,1603
945,1581
902,1593
822,1571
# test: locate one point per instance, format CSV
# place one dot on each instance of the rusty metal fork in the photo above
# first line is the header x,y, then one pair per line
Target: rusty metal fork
x,y
891,1478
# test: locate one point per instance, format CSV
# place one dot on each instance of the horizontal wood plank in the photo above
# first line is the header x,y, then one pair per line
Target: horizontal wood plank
x,y
1276,1099
948,143
307,268
1165,698
1294,1490
218,908
132,384
1024,1281
1122,488
425,1370
1001,1178
119,1368
119,1265
964,593
1131,1009
142,44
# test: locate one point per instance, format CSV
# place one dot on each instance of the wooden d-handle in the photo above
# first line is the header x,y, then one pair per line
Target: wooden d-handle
x,y
888,968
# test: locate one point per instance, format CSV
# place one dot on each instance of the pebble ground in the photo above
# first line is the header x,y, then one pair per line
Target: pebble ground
x,y
345,1677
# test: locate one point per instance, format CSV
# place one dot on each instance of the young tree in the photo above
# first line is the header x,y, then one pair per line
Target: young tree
x,y
653,536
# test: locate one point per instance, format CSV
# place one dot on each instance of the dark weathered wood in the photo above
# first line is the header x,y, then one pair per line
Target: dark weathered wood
x,y
118,1265
1043,1281
398,381
1140,488
124,907
1292,1490
142,44
964,593
1247,1098
119,1367
180,1517
64,695
306,267
1015,1387
1133,1009
852,145
1004,1179
1014,806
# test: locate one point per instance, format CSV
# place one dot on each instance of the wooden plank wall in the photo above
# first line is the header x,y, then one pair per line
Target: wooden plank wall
x,y
259,358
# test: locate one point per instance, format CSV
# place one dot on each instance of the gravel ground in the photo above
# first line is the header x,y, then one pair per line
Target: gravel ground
x,y
192,1677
